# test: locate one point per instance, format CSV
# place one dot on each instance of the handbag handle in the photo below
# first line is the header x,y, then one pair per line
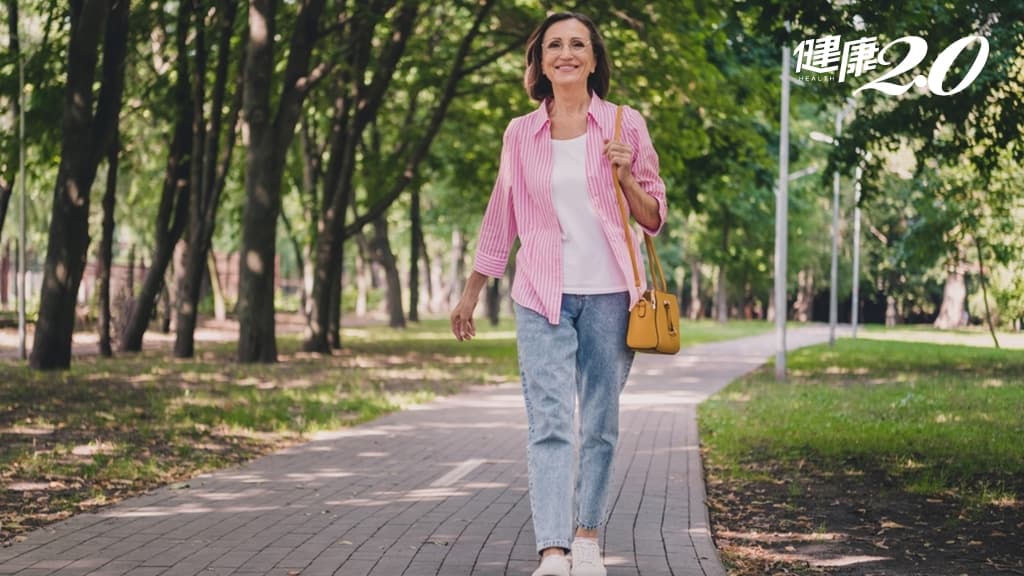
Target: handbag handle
x,y
652,257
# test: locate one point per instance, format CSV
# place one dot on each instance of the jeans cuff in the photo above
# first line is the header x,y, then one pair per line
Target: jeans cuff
x,y
563,544
586,526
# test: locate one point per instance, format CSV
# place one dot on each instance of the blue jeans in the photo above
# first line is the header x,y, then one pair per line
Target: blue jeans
x,y
585,355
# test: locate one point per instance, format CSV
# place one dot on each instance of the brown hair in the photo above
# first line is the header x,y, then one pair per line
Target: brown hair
x,y
537,85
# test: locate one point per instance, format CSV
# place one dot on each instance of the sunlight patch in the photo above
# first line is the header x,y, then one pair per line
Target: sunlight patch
x,y
94,448
41,430
776,537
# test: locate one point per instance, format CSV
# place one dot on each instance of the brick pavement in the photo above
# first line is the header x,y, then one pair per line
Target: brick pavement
x,y
439,490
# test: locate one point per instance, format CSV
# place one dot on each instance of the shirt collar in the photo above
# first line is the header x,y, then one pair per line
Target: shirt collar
x,y
602,112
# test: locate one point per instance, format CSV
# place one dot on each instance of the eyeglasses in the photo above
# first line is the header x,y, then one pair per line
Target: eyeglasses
x,y
576,46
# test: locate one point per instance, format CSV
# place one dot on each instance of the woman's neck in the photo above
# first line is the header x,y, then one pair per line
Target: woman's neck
x,y
569,102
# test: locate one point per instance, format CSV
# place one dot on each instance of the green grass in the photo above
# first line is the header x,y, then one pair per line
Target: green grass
x,y
701,331
933,419
967,336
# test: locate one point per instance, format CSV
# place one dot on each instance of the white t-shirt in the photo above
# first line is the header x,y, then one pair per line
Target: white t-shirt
x,y
588,265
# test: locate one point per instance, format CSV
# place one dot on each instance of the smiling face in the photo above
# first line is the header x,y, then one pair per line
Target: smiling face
x,y
568,56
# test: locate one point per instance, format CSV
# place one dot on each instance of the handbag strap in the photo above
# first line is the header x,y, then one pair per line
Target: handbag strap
x,y
652,257
622,203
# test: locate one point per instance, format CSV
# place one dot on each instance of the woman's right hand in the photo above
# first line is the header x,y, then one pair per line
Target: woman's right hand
x,y
463,325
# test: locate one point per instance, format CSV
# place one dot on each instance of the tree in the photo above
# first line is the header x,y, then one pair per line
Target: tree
x,y
14,48
356,105
437,87
87,136
107,247
174,198
209,170
270,134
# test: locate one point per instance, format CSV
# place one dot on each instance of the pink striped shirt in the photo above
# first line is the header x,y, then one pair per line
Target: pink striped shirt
x,y
521,204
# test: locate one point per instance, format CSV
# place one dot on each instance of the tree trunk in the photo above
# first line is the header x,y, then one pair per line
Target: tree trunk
x,y
208,175
954,299
458,267
892,314
5,271
269,138
130,278
416,241
13,55
167,308
107,250
984,291
178,272
493,303
721,297
6,191
334,319
353,111
362,276
86,137
174,201
408,155
510,275
680,279
193,259
428,275
382,254
439,299
804,297
220,308
312,164
696,307
256,340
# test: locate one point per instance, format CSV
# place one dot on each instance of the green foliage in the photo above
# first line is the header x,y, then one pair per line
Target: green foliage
x,y
705,76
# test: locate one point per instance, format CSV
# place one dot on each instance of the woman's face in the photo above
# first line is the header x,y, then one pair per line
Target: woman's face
x,y
567,55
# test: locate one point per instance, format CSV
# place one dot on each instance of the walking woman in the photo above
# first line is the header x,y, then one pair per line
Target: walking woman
x,y
572,289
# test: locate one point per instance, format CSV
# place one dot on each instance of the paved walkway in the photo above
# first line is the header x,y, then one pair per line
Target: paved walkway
x,y
437,490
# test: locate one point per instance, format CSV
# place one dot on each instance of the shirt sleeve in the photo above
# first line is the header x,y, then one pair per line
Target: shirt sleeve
x,y
498,230
645,164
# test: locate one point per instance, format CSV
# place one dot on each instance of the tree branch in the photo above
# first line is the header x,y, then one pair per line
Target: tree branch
x,y
420,151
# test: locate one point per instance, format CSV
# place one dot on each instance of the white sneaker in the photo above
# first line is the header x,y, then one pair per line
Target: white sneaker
x,y
553,565
586,558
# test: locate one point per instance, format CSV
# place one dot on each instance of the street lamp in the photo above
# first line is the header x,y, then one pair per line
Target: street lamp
x,y
855,306
782,224
833,305
833,293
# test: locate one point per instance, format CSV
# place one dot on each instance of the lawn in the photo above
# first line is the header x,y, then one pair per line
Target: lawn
x,y
700,331
867,437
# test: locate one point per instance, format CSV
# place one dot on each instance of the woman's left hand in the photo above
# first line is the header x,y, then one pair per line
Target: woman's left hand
x,y
620,154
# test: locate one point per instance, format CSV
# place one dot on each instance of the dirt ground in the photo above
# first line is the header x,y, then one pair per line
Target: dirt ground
x,y
816,522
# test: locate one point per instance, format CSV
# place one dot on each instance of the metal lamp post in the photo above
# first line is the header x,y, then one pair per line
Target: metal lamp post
x,y
833,301
782,225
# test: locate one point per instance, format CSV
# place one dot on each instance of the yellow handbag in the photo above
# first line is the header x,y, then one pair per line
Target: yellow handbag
x,y
654,321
